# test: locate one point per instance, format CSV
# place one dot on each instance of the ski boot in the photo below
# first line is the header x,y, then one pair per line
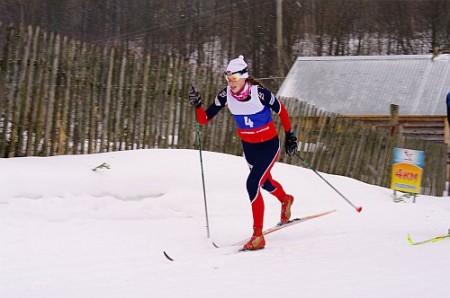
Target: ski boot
x,y
256,242
286,209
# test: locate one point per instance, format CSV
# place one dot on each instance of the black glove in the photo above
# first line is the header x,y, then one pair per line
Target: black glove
x,y
290,143
194,97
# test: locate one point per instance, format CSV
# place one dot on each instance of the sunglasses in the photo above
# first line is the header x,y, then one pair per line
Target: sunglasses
x,y
234,76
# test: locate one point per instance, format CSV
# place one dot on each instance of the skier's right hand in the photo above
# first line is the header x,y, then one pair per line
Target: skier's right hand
x,y
194,97
290,143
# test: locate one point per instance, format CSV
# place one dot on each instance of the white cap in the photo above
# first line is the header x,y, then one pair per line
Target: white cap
x,y
238,64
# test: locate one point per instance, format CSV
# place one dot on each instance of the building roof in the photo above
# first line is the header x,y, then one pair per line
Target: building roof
x,y
367,85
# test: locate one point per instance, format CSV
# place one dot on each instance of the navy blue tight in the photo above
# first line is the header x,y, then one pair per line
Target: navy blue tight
x,y
260,158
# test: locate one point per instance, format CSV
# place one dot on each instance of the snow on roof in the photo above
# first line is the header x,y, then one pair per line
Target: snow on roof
x,y
367,85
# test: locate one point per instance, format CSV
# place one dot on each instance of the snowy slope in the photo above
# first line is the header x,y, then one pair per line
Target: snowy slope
x,y
68,231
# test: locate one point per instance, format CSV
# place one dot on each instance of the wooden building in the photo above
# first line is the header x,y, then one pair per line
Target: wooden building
x,y
364,87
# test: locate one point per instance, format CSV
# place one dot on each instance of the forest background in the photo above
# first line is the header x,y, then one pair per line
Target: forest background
x,y
210,32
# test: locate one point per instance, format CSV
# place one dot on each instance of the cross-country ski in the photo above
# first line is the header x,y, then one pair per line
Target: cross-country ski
x,y
434,239
288,224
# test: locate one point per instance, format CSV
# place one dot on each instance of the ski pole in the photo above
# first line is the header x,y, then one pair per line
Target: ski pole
x,y
199,142
358,209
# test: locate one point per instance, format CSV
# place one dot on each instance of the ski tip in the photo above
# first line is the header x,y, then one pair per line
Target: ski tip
x,y
167,256
359,209
409,239
215,245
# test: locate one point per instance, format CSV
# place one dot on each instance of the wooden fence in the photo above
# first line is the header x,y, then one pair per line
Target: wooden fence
x,y
340,145
61,96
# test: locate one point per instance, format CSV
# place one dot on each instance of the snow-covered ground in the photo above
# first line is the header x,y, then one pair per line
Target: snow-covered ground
x,y
68,231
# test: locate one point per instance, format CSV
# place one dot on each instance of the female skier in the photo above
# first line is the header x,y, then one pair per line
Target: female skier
x,y
251,106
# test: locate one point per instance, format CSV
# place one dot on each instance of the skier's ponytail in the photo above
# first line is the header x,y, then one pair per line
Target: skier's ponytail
x,y
254,81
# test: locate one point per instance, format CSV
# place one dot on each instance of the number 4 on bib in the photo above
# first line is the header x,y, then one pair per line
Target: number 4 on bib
x,y
248,121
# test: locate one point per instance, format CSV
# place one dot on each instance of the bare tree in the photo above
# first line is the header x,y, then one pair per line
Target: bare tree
x,y
212,31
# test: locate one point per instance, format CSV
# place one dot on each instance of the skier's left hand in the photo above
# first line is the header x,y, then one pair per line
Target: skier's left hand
x,y
290,143
195,98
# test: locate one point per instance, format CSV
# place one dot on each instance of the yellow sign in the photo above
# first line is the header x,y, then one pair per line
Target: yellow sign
x,y
407,169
